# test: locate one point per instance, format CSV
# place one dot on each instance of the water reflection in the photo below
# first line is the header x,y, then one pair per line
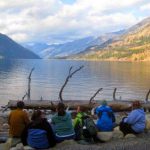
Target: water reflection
x,y
131,79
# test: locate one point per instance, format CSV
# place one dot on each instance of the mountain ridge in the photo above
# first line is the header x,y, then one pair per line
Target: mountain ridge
x,y
133,45
12,50
71,48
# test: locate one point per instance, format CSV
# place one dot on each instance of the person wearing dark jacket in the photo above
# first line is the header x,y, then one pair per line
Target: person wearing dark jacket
x,y
38,134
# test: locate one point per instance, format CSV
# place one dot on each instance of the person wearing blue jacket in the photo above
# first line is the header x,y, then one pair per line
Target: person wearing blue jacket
x,y
106,117
135,122
38,134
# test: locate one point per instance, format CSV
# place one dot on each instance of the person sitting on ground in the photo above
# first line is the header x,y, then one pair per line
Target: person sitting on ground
x,y
135,122
78,122
62,124
38,134
106,118
84,126
17,120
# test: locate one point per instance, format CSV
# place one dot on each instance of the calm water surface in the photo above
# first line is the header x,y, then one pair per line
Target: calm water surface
x,y
132,79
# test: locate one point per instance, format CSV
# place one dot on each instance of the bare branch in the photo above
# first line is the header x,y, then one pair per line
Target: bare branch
x,y
95,95
31,73
70,70
41,98
52,103
114,94
24,96
29,82
6,107
76,71
67,79
147,95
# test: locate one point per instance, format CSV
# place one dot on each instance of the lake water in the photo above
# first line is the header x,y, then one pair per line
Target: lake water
x,y
132,79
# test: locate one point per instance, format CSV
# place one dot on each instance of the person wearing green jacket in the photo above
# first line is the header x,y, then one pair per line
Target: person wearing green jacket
x,y
78,122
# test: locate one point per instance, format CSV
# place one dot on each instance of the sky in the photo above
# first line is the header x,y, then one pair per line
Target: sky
x,y
59,21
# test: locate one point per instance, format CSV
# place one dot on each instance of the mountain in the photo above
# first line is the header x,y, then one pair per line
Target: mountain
x,y
67,49
60,50
12,50
72,48
132,45
102,41
76,47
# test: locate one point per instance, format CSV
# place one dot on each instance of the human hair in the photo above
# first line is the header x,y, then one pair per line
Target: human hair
x,y
36,115
136,104
20,104
81,108
61,109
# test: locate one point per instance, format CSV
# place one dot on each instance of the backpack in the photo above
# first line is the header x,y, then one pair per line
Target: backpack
x,y
89,126
105,121
85,129
109,114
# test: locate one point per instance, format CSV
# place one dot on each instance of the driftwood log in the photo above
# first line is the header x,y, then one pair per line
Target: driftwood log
x,y
117,106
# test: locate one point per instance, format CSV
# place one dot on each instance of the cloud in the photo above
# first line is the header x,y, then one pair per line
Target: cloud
x,y
58,20
145,7
20,36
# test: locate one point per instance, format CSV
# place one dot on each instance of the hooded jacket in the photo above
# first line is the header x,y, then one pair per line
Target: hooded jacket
x,y
137,120
79,119
106,118
38,134
63,125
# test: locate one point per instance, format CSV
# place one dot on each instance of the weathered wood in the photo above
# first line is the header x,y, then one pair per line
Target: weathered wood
x,y
24,96
91,99
114,94
29,85
67,79
147,95
5,108
72,104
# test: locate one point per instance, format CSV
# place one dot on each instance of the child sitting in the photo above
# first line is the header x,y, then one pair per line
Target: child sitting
x,y
84,126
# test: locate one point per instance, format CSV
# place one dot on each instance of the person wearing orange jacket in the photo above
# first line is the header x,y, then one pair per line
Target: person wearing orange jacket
x,y
17,120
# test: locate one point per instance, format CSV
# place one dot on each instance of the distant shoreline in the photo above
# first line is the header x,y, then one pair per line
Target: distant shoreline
x,y
108,60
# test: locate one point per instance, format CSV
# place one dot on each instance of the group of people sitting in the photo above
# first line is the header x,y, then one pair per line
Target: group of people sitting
x,y
39,133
